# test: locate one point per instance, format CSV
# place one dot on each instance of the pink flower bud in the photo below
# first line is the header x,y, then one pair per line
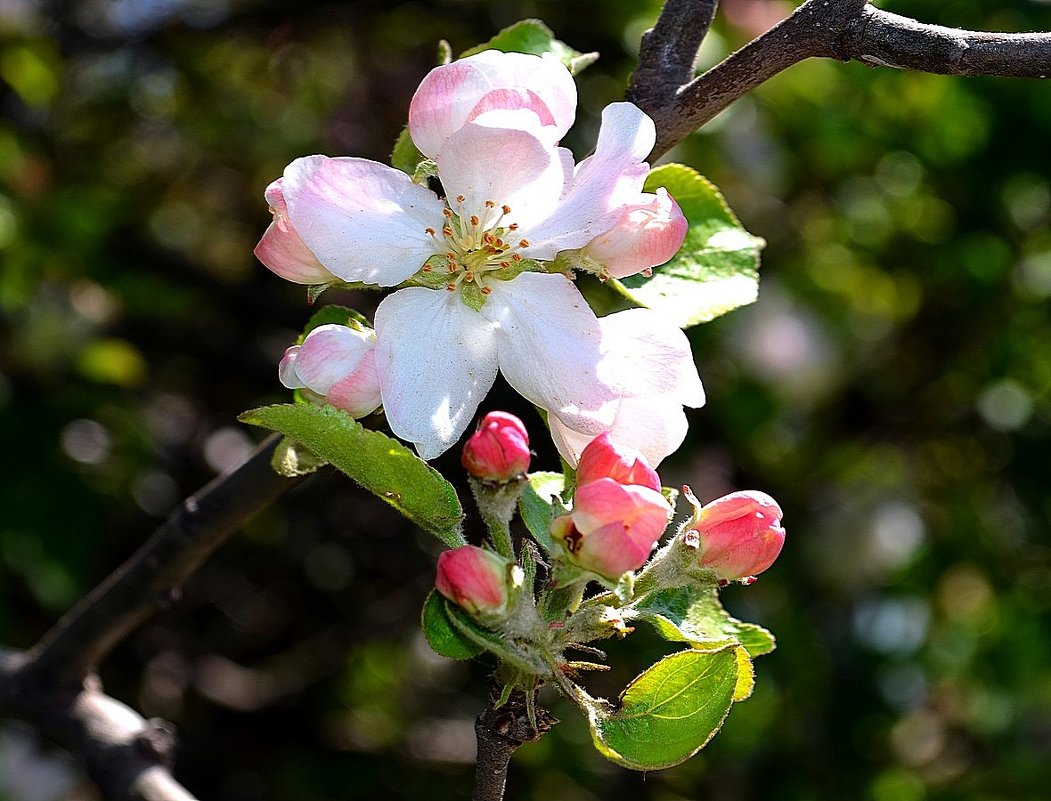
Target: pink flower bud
x,y
613,527
474,578
498,451
337,362
603,458
740,534
649,232
282,251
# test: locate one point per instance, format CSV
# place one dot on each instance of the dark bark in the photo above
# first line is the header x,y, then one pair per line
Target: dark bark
x,y
500,731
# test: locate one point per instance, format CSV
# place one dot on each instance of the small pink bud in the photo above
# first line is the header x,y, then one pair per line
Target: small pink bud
x,y
338,362
740,534
613,527
603,458
498,451
474,578
648,233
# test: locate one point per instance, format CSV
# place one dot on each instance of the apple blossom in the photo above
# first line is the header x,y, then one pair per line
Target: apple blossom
x,y
481,299
477,579
650,231
613,527
498,451
603,458
338,362
740,534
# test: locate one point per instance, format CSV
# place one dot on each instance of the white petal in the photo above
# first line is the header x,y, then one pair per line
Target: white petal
x,y
509,167
364,221
330,353
436,359
286,370
643,355
654,426
550,346
455,94
603,182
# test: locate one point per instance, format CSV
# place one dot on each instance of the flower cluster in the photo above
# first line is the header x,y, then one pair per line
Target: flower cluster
x,y
482,272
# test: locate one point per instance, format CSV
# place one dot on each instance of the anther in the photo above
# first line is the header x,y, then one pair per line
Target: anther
x,y
460,198
505,264
474,220
448,213
523,243
512,227
427,268
489,204
451,286
429,230
516,256
468,276
447,231
505,209
486,290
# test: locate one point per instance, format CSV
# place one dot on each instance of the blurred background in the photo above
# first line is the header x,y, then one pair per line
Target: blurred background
x,y
890,389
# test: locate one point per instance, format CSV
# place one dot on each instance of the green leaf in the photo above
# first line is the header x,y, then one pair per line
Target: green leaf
x,y
291,459
406,156
670,712
714,272
441,634
380,464
332,314
535,505
533,36
696,616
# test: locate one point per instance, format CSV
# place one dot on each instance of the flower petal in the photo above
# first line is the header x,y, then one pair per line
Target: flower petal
x,y
592,204
549,343
365,221
330,353
436,359
457,93
649,232
508,167
282,251
644,355
654,426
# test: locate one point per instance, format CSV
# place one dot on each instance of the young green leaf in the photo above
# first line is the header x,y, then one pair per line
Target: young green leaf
x,y
671,711
533,36
535,505
380,464
715,271
696,616
406,156
441,634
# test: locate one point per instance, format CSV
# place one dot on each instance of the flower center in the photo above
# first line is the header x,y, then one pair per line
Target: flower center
x,y
476,245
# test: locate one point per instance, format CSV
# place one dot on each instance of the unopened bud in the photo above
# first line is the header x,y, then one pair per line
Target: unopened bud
x,y
613,527
740,534
477,579
603,458
498,451
337,362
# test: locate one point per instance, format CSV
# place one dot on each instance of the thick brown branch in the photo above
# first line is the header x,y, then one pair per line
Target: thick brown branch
x,y
844,30
668,50
150,579
126,756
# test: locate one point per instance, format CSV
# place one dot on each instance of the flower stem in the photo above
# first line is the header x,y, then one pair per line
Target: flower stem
x,y
500,731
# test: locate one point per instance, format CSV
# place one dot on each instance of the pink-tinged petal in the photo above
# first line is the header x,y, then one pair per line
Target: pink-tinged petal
x,y
457,93
606,458
282,251
359,392
363,220
508,167
330,353
649,232
592,204
617,526
645,355
549,343
436,359
654,426
286,370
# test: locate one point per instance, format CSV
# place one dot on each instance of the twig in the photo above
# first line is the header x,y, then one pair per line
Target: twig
x,y
840,29
500,731
150,580
668,50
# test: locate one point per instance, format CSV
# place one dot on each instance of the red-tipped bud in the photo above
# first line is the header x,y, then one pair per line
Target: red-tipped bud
x,y
478,580
603,458
613,528
740,534
499,450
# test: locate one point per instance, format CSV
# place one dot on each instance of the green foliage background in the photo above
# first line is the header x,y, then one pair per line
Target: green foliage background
x,y
890,388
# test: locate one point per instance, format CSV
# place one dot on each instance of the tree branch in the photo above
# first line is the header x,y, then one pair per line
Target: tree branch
x,y
52,686
150,580
840,29
500,731
669,49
